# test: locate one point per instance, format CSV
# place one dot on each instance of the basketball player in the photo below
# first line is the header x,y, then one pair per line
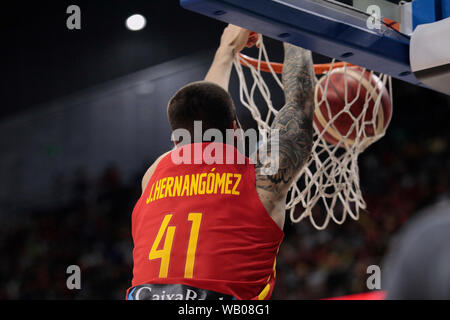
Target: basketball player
x,y
212,231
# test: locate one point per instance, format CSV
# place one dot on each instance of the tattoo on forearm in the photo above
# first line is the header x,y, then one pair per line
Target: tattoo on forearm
x,y
294,122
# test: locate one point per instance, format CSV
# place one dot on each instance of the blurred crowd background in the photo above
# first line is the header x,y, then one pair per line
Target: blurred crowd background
x,y
79,128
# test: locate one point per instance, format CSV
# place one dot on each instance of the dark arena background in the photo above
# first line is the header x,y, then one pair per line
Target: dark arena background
x,y
83,115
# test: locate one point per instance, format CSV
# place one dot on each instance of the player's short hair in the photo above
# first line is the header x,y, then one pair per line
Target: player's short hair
x,y
201,101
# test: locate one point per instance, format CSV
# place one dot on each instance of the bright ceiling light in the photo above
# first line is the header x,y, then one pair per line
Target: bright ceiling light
x,y
136,22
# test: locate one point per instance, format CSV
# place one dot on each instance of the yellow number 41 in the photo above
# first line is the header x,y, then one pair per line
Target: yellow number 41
x,y
164,253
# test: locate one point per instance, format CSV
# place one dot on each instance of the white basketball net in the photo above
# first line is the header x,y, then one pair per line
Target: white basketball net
x,y
331,176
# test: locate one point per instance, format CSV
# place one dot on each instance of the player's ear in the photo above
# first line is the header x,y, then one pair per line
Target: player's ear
x,y
235,125
175,142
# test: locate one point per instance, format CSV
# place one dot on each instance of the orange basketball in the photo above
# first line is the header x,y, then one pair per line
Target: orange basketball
x,y
363,91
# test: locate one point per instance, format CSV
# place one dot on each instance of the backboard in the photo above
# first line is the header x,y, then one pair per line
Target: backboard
x,y
374,34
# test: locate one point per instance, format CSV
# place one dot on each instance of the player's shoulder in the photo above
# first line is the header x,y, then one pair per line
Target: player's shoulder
x,y
148,174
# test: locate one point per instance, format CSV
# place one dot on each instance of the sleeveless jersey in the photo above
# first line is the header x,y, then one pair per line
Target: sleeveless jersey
x,y
202,224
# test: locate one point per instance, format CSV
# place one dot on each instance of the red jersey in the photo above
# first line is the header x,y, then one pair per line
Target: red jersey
x,y
203,225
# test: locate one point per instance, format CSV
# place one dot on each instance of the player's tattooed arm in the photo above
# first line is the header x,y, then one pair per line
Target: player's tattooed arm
x,y
294,122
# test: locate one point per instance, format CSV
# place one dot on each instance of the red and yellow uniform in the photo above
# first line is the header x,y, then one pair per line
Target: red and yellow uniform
x,y
203,226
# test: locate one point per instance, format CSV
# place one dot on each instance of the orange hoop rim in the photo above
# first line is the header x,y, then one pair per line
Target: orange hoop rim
x,y
278,67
